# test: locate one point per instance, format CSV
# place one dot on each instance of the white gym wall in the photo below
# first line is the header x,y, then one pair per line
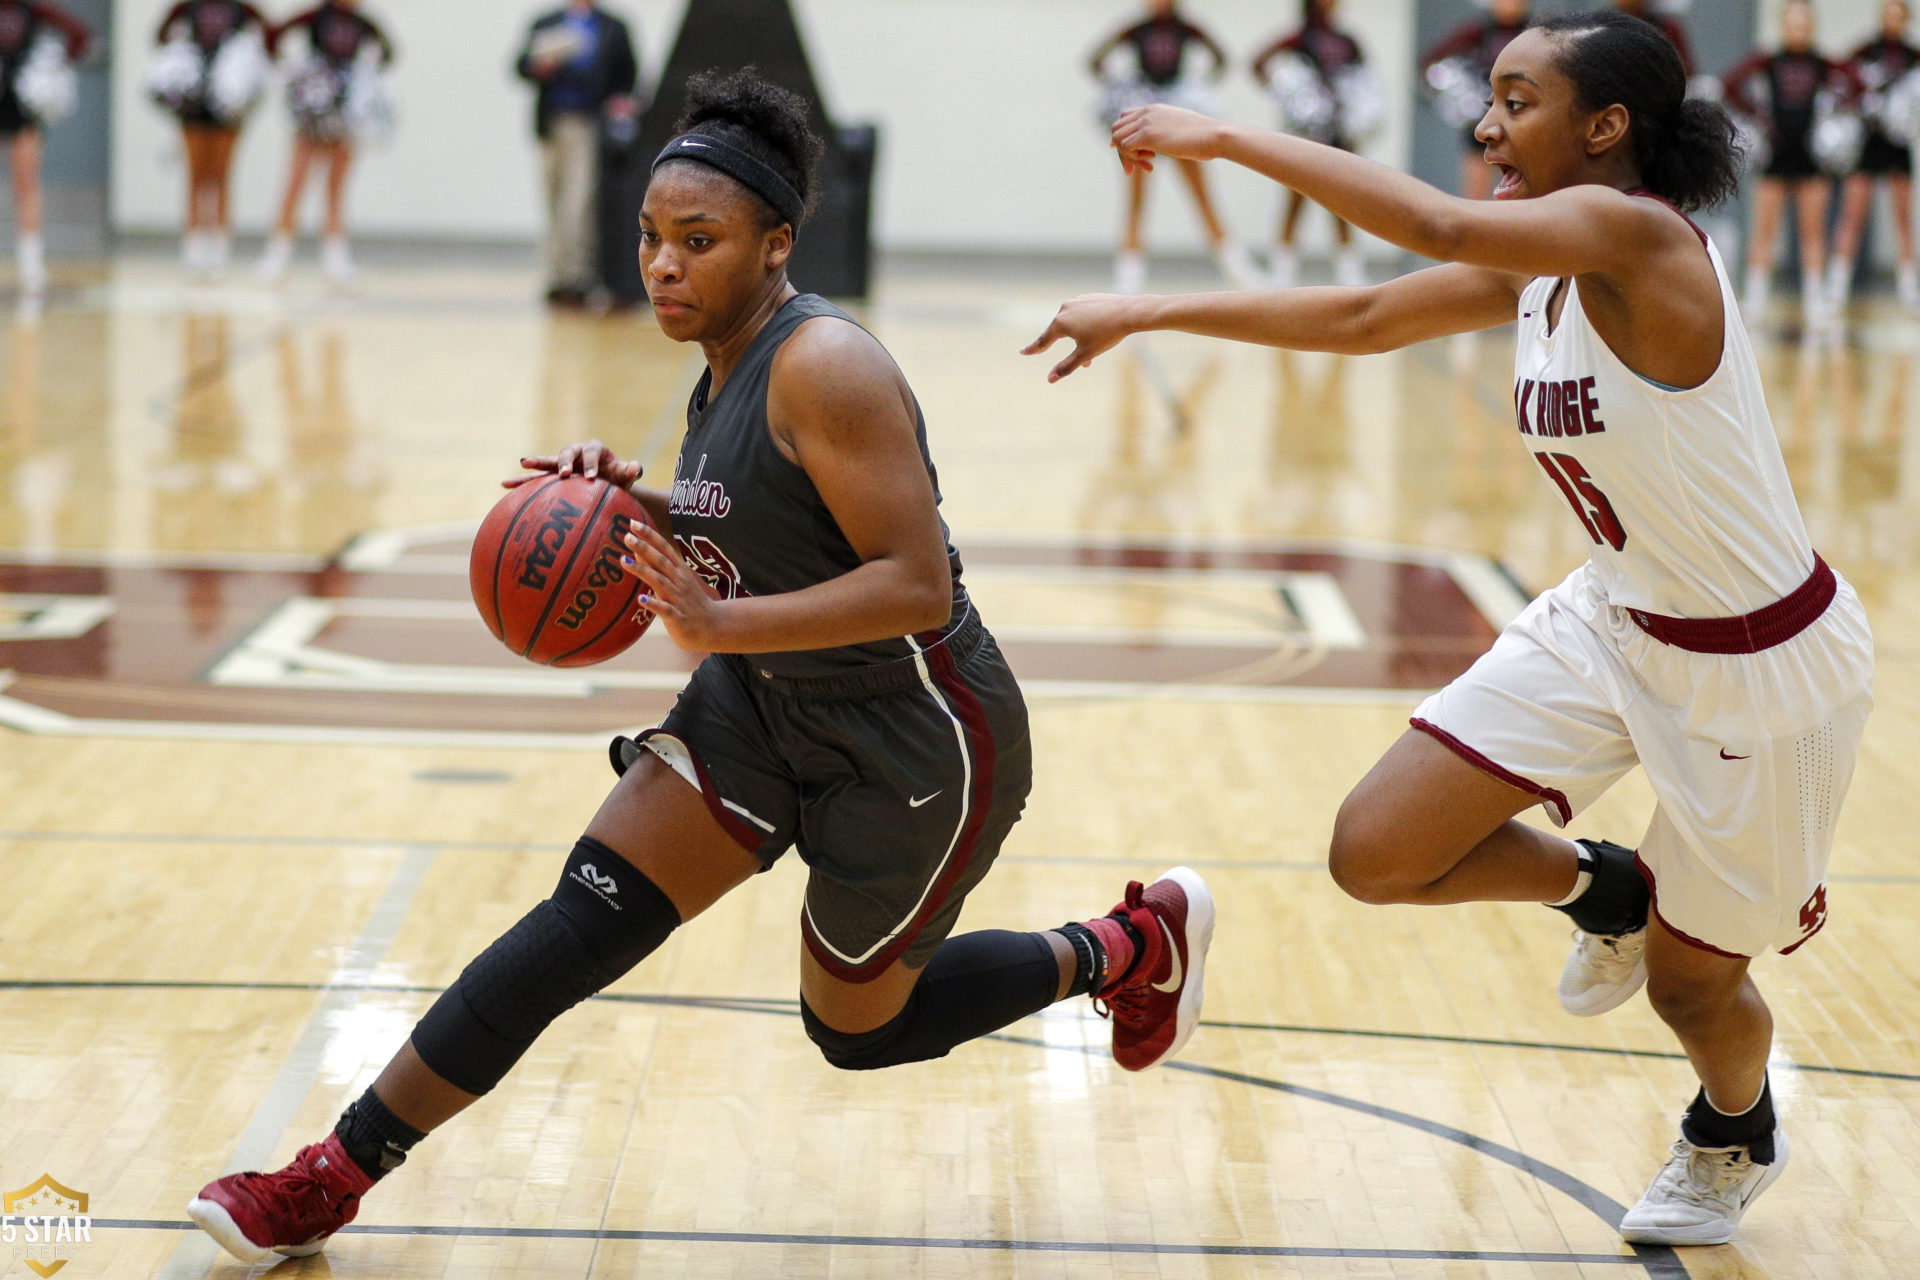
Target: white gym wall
x,y
988,140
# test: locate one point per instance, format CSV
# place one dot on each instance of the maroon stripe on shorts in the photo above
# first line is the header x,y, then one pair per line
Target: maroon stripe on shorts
x,y
1653,890
1764,628
1558,799
973,719
746,835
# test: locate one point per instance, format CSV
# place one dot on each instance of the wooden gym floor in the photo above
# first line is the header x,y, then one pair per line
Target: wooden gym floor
x,y
268,788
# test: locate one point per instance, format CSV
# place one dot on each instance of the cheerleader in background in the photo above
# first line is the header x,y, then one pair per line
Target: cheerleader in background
x,y
1783,90
38,44
333,97
1326,94
1669,26
1159,46
211,67
1456,70
1879,65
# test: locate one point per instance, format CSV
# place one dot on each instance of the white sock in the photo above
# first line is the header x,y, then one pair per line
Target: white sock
x,y
1236,265
1838,281
1744,1110
1583,881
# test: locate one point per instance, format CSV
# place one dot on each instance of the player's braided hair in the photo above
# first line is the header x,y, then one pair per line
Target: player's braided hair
x,y
1684,147
745,110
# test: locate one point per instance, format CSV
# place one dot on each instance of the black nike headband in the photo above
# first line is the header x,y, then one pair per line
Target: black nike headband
x,y
755,176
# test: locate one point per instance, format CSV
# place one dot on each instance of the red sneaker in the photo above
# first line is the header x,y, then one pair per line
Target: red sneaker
x,y
1155,1004
256,1215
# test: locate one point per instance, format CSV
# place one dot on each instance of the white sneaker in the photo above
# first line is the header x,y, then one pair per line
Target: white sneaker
x,y
1236,265
1286,269
1817,310
1907,284
1603,971
337,260
193,251
1348,270
272,267
32,256
1129,271
1700,1197
219,251
1755,295
1839,283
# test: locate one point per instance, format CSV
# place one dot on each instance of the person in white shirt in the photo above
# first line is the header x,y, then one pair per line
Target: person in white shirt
x,y
1703,638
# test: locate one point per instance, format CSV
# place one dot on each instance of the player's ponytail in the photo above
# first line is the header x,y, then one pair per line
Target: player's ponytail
x,y
754,115
1684,148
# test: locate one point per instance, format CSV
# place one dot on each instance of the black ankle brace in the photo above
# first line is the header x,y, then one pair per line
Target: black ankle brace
x,y
1617,900
377,1139
1089,959
1704,1126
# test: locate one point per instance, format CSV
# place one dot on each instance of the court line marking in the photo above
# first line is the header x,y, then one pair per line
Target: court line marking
x,y
553,846
937,1242
771,1004
195,1254
1660,1262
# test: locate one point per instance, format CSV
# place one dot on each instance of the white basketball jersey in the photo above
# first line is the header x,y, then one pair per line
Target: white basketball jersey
x,y
1684,493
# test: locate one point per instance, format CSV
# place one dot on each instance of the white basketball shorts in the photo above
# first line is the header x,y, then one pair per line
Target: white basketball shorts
x,y
1749,754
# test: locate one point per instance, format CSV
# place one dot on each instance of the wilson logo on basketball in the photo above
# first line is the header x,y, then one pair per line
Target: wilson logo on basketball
x,y
545,571
606,572
547,541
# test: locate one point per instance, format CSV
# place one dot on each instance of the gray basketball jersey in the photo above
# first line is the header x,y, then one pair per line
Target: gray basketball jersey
x,y
750,521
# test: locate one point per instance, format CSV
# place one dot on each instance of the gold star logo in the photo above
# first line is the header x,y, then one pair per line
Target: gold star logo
x,y
50,1199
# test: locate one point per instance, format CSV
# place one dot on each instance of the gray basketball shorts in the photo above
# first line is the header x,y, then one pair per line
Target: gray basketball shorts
x,y
896,783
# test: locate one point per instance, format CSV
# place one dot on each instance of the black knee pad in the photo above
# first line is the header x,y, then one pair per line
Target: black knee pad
x,y
887,1045
604,917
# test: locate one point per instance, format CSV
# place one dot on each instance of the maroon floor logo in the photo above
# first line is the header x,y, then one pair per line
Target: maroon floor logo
x,y
382,641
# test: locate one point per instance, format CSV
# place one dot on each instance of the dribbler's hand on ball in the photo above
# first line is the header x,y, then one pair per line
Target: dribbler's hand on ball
x,y
1094,324
593,460
686,605
1160,130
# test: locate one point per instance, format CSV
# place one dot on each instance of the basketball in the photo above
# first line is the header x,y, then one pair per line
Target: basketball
x,y
546,576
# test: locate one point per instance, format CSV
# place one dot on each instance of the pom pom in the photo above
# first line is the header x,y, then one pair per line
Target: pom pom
x,y
237,76
1838,134
1458,91
1306,101
175,74
371,107
1363,104
46,85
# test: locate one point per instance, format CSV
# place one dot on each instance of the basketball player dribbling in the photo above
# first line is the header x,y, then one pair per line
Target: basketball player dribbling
x,y
1703,638
853,705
